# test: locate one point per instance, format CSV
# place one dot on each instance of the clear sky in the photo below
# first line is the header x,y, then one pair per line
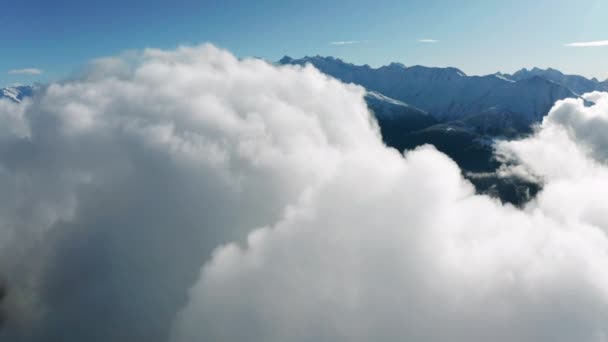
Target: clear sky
x,y
477,36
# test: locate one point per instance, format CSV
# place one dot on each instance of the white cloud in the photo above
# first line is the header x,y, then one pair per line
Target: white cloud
x,y
117,187
569,153
26,71
349,42
588,44
428,41
393,249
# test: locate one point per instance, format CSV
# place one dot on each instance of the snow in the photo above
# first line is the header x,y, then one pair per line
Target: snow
x,y
11,93
18,92
383,98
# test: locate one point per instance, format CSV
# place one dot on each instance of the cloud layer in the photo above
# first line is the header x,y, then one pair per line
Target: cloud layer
x,y
190,196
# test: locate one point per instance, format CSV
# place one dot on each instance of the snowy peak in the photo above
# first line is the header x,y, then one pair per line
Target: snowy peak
x,y
18,93
10,93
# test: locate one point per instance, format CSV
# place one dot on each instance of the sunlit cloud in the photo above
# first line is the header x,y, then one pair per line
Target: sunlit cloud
x,y
588,44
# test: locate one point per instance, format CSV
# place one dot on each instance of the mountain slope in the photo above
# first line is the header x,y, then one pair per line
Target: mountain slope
x,y
395,117
509,108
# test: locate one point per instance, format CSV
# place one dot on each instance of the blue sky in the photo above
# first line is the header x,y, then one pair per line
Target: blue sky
x,y
57,37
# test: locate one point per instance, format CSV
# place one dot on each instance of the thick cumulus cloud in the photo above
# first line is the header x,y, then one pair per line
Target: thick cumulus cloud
x,y
189,196
394,249
116,186
569,154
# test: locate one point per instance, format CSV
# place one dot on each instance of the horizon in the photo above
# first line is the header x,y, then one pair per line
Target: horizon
x,y
467,74
49,42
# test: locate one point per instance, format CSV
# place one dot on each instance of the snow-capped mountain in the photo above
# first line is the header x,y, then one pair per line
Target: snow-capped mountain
x,y
578,84
18,93
448,93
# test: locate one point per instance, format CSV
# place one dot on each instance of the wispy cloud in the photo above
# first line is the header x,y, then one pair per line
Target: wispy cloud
x,y
588,44
26,71
348,42
426,40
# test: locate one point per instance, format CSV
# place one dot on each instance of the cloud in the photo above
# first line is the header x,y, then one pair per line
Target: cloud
x,y
349,42
26,71
569,153
361,258
588,44
188,195
118,185
428,41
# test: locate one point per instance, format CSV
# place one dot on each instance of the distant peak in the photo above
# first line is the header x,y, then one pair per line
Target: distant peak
x,y
524,71
538,71
319,57
394,66
286,60
315,60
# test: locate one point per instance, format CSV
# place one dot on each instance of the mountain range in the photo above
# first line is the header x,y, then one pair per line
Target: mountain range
x,y
578,84
496,104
